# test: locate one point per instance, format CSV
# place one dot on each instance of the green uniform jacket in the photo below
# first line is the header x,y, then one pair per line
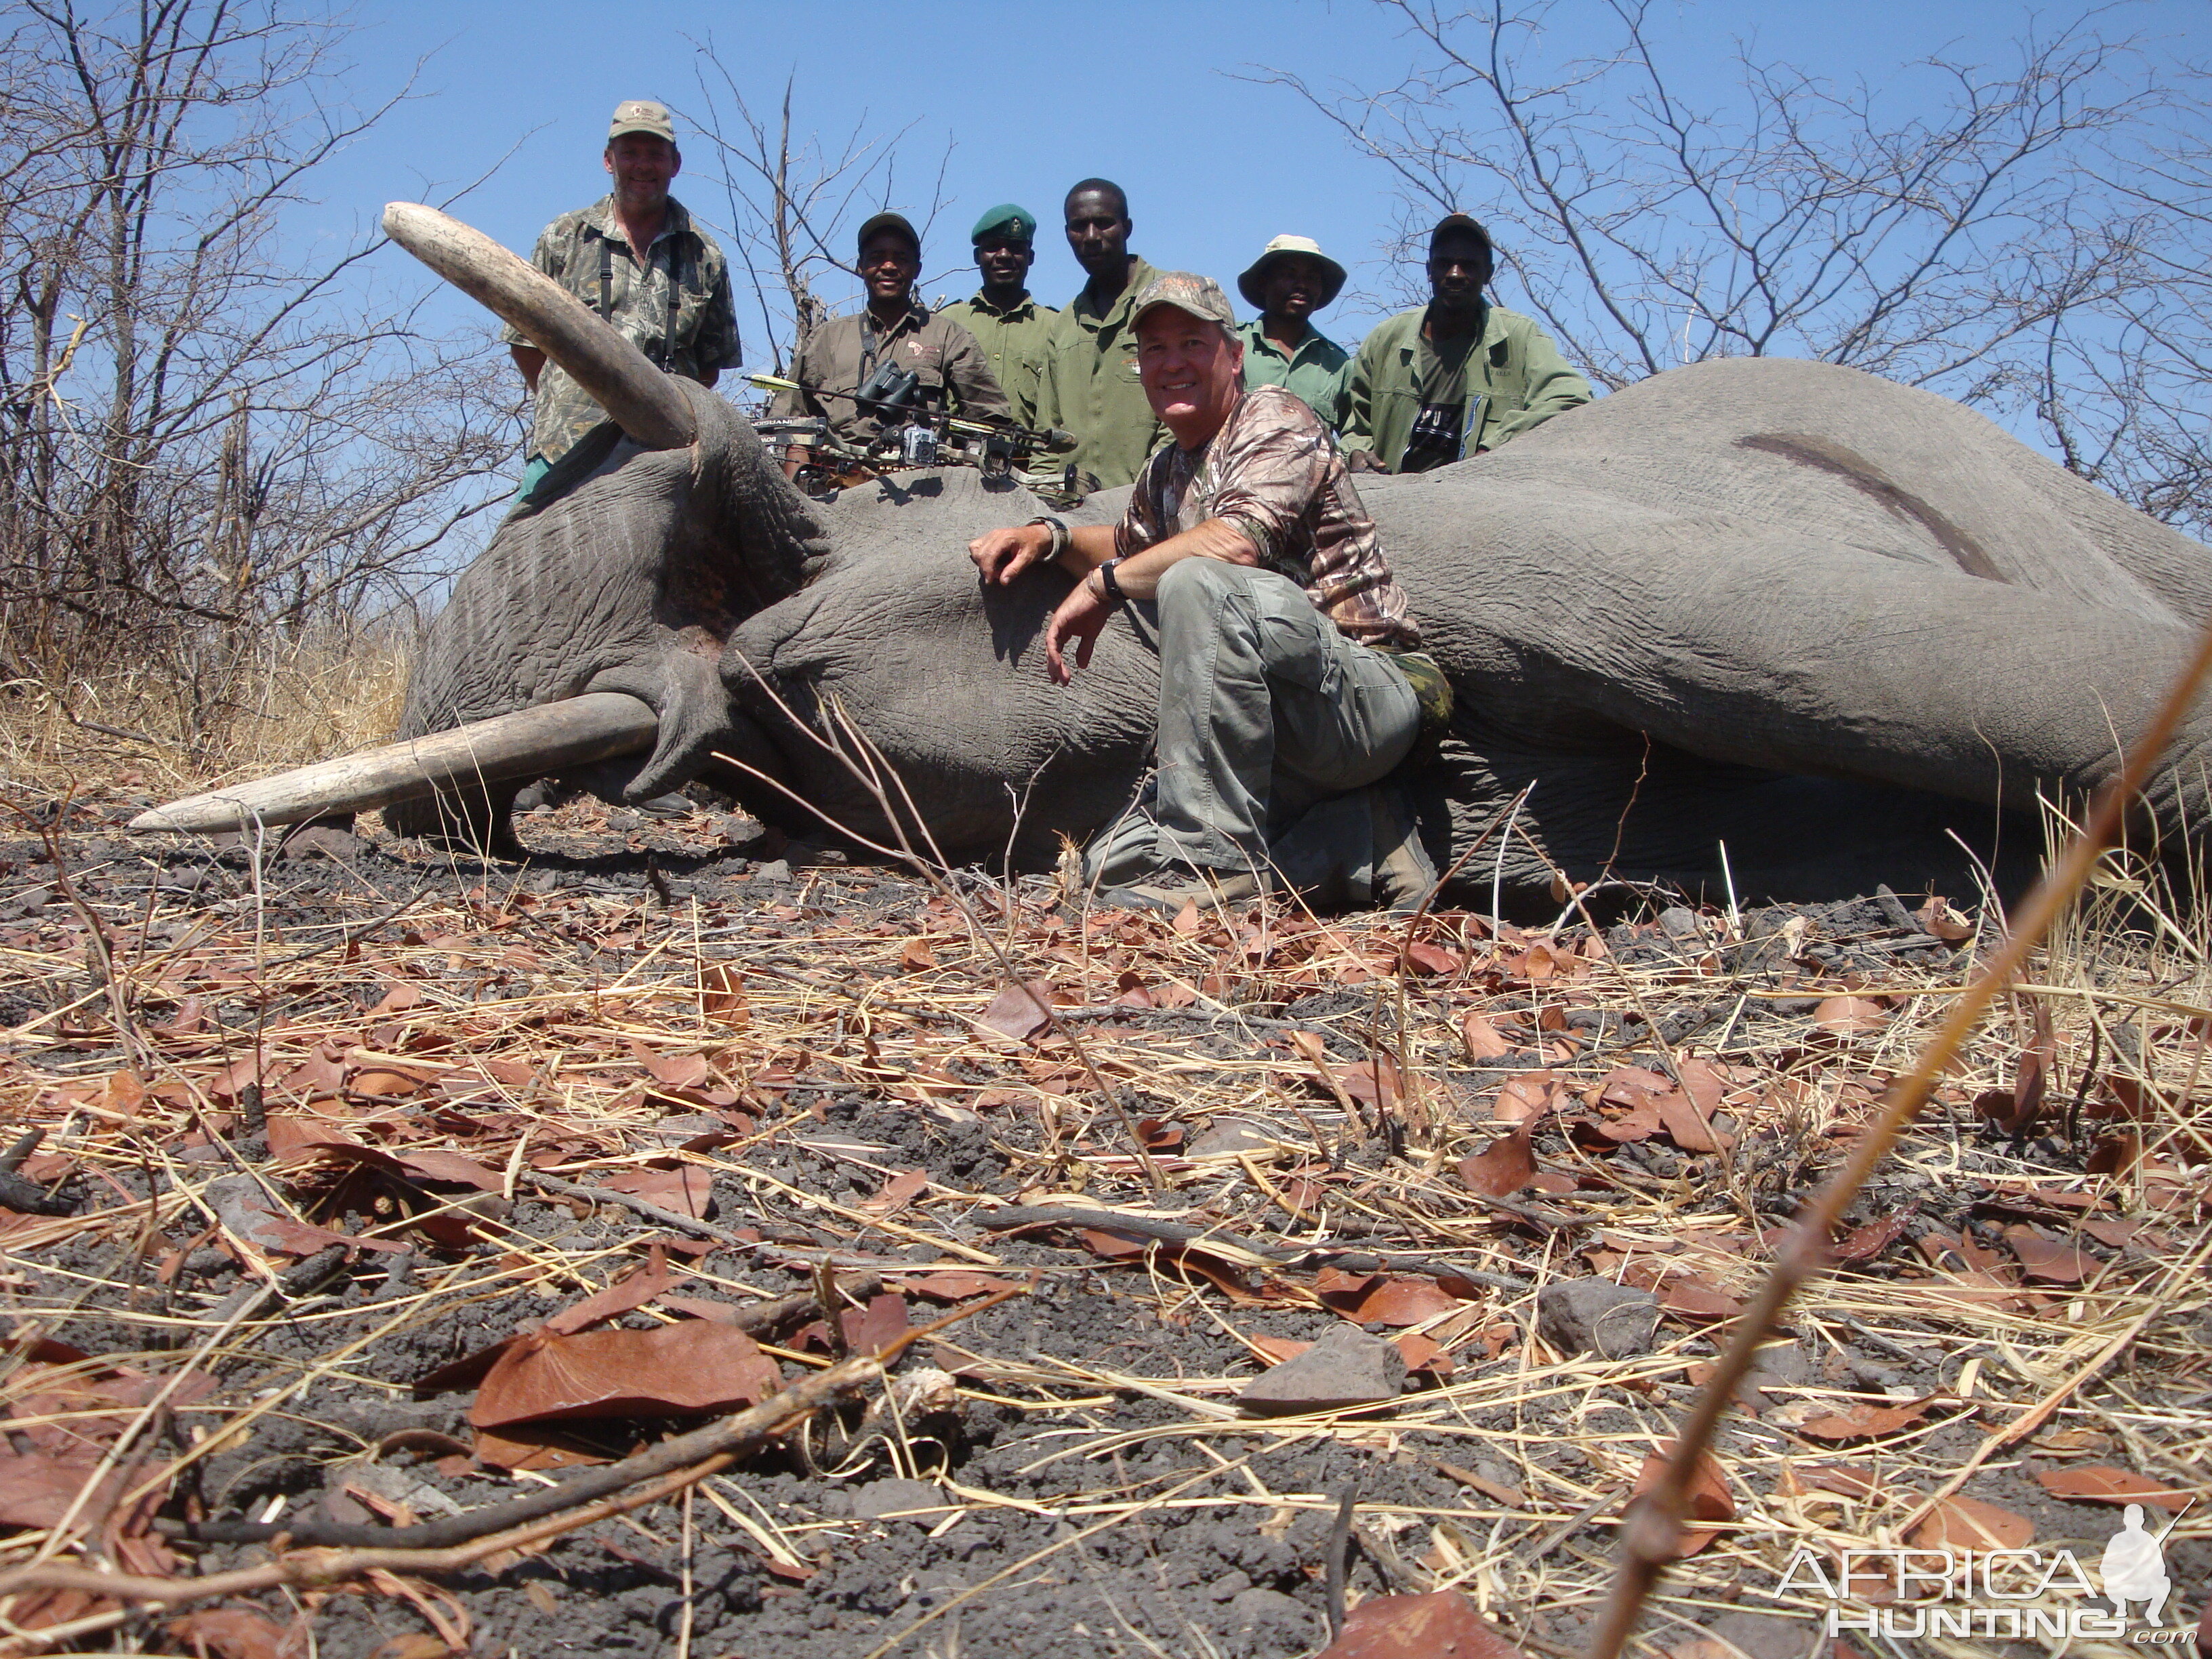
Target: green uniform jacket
x,y
1014,341
1089,385
1516,380
1319,371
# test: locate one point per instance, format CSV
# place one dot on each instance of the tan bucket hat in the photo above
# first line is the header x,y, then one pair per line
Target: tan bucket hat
x,y
1251,284
641,115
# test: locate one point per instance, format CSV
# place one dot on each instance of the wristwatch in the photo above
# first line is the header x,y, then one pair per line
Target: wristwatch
x,y
1112,583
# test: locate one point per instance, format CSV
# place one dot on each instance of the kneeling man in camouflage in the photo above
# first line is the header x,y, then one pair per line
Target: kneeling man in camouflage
x,y
1289,660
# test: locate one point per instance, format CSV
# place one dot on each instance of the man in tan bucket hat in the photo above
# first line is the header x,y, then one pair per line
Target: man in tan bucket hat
x,y
1289,280
635,258
1292,680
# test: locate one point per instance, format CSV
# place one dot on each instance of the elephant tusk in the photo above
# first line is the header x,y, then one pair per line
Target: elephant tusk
x,y
529,743
648,405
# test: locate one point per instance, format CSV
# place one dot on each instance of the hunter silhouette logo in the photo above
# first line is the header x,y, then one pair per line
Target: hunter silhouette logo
x,y
2134,1567
2010,1594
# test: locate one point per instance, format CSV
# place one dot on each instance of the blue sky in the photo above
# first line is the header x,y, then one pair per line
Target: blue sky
x,y
1033,95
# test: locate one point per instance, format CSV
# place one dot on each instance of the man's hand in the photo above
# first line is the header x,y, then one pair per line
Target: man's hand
x,y
1082,617
1003,555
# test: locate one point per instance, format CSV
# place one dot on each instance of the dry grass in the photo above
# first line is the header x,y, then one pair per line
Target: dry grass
x,y
587,1019
282,705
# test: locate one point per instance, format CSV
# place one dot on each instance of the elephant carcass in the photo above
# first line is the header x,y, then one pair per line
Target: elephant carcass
x,y
1821,618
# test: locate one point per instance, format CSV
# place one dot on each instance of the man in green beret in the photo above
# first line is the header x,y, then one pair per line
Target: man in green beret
x,y
1289,280
1009,326
1457,376
837,359
1089,385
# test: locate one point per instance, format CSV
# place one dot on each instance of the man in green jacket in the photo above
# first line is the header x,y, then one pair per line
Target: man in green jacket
x,y
1089,385
1289,280
1458,376
1006,321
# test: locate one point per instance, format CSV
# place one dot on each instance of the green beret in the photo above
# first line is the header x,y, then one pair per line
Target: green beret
x,y
1016,222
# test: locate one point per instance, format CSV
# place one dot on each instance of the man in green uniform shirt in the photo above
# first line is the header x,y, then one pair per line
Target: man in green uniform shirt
x,y
1090,386
894,327
1009,326
1458,376
1289,280
635,258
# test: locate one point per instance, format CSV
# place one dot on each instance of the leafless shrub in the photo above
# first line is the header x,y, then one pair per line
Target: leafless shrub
x,y
795,196
209,448
2016,236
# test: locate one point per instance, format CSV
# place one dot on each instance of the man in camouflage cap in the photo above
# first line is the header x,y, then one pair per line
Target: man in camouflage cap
x,y
635,258
1289,660
1005,320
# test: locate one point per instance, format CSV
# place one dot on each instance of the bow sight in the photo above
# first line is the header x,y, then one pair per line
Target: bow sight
x,y
915,433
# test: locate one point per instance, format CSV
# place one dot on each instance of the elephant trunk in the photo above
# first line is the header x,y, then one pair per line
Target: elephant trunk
x,y
645,402
528,744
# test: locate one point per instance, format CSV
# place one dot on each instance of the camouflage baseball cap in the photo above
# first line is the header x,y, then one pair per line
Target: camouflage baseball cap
x,y
641,115
1187,291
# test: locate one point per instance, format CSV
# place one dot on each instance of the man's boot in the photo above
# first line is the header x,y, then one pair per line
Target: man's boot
x,y
1404,874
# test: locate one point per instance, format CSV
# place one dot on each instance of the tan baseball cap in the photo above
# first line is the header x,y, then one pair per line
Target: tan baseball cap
x,y
1187,291
641,115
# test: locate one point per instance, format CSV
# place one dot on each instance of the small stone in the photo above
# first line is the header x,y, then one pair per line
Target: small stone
x,y
1596,1316
321,839
1228,1587
1227,1136
1345,1368
777,870
1679,923
741,829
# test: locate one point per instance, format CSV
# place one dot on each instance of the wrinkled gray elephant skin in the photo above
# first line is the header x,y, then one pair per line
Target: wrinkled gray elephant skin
x,y
1825,620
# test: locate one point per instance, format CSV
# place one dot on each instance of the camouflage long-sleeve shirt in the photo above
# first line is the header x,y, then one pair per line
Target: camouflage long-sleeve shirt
x,y
1274,472
675,307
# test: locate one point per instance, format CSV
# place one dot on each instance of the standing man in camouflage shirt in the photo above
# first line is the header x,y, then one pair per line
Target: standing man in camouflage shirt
x,y
671,301
1459,375
1006,321
1289,659
1090,386
839,357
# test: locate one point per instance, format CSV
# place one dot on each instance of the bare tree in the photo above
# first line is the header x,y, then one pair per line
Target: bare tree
x,y
794,196
206,445
1803,218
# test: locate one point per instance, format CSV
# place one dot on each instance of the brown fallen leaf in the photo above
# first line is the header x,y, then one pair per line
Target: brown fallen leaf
x,y
1938,918
900,1190
1483,1041
1383,1299
2115,1154
1847,1479
1443,1625
875,1326
1686,1126
533,1446
630,1291
229,1634
1504,1167
722,996
917,955
694,1365
1969,1523
2030,1082
1019,1011
383,1084
1532,1094
2099,1484
1432,959
955,1285
1710,1499
1851,1016
1865,1243
677,1071
452,1169
1372,1083
1866,1422
1695,1296
2047,1260
687,1189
